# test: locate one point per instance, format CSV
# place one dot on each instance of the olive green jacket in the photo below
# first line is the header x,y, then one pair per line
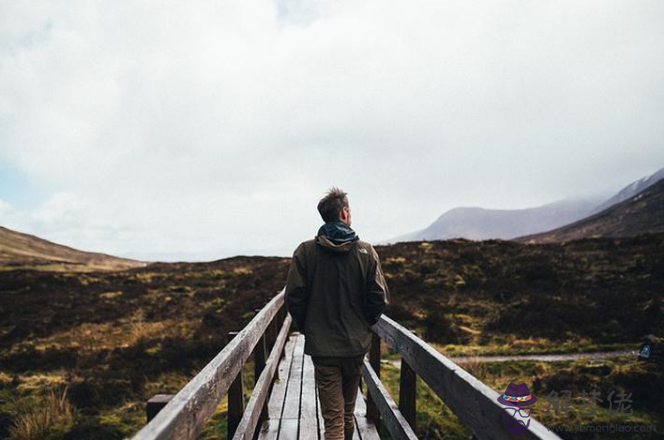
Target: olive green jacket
x,y
335,293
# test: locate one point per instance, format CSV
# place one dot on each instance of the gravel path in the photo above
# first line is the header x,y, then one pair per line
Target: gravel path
x,y
537,357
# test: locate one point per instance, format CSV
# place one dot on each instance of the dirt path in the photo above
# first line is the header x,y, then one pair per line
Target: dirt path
x,y
537,357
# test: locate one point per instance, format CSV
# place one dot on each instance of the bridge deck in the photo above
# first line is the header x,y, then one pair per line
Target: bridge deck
x,y
294,408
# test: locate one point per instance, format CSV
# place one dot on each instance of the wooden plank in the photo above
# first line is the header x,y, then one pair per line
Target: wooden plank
x,y
278,396
269,430
390,415
366,429
356,431
308,406
252,416
184,416
360,405
294,391
290,417
474,403
308,415
288,429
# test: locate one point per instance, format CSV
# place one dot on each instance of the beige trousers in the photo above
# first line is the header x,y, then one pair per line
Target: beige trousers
x,y
337,381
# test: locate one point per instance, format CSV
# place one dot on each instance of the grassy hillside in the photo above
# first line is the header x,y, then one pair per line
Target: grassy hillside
x,y
19,250
582,294
642,213
95,346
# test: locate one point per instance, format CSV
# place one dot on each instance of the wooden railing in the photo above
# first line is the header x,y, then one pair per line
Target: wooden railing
x,y
474,403
183,416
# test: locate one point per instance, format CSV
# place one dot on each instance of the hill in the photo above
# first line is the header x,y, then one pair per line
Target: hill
x,y
481,224
631,190
19,250
476,223
642,213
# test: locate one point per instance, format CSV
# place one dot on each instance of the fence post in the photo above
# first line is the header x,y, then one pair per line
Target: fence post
x,y
156,403
235,399
408,393
374,360
260,355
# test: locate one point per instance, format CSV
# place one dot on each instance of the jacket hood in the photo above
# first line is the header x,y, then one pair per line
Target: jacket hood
x,y
336,236
338,231
325,242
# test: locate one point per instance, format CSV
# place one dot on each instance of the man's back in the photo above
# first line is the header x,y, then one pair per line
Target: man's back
x,y
335,292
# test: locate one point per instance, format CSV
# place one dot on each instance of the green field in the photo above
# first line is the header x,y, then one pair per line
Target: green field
x,y
81,352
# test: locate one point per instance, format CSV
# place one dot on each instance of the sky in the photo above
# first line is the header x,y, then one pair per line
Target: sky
x,y
200,130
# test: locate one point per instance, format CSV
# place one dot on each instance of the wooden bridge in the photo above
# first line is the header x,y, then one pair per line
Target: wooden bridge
x,y
284,404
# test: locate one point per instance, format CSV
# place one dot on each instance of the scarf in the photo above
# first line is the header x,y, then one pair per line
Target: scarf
x,y
338,232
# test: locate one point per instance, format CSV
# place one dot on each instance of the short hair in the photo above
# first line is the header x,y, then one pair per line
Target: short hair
x,y
331,205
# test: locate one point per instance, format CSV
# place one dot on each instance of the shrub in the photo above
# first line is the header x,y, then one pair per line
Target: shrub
x,y
53,417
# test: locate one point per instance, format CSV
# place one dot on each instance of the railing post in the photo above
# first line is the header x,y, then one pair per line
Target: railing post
x,y
235,399
260,355
374,360
282,317
272,332
156,404
408,393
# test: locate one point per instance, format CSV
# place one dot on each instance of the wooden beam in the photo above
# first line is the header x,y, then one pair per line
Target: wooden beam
x,y
408,393
259,398
474,403
260,353
156,404
184,416
374,359
391,417
235,399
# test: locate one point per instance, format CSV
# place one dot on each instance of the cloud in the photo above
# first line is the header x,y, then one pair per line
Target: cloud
x,y
207,129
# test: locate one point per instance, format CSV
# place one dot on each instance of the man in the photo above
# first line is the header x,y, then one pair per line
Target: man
x,y
335,292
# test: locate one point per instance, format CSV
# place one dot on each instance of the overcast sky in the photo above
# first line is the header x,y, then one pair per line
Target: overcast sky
x,y
200,130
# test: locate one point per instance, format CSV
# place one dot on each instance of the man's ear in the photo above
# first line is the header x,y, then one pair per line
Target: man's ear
x,y
344,214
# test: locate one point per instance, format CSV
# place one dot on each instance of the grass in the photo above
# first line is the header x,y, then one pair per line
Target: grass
x,y
114,339
645,383
48,417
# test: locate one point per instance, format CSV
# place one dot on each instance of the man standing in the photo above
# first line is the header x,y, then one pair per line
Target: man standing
x,y
335,292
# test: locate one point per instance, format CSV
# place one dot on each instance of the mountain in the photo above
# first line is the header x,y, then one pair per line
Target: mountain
x,y
481,224
19,250
631,190
642,213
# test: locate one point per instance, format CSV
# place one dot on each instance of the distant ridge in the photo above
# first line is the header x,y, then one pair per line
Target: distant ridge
x,y
640,214
19,250
476,223
631,190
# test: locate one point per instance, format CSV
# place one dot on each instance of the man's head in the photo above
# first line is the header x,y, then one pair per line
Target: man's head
x,y
334,206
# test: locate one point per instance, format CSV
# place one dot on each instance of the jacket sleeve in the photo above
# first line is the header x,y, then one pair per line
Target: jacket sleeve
x,y
297,296
378,294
